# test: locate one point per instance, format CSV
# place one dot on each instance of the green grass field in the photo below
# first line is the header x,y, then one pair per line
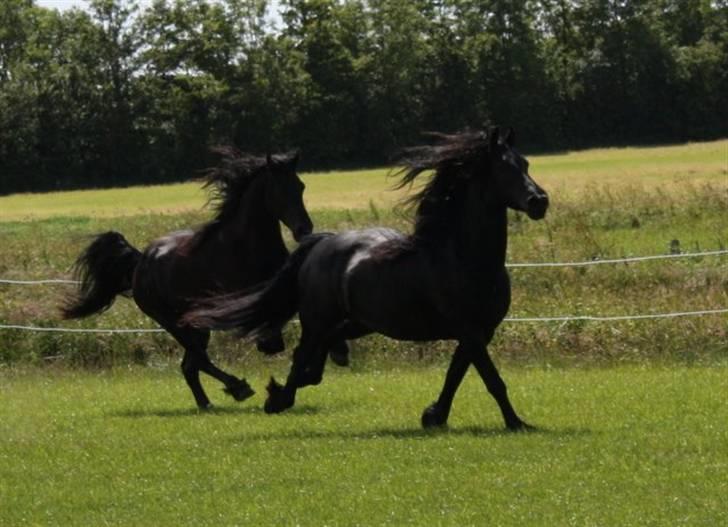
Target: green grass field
x,y
564,174
101,430
617,446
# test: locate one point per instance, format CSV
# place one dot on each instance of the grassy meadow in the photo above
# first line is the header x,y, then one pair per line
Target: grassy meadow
x,y
99,429
618,446
605,204
663,169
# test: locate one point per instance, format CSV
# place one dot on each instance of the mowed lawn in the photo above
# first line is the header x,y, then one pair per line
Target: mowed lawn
x,y
562,174
616,446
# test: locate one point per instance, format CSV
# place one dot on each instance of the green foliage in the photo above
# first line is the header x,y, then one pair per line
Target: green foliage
x,y
122,94
619,446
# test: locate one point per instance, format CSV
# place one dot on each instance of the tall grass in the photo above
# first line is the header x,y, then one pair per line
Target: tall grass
x,y
586,221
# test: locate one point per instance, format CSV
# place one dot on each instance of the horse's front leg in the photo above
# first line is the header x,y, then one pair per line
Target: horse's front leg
x,y
437,413
494,383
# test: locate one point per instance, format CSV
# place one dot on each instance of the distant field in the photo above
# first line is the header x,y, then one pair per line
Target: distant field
x,y
616,447
564,174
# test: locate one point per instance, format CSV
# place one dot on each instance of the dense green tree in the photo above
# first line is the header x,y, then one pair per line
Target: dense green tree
x,y
119,94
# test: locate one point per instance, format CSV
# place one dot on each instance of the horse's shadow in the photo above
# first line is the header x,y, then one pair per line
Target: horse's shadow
x,y
372,434
215,411
410,433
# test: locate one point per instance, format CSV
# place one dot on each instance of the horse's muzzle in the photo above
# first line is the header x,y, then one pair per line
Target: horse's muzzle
x,y
536,206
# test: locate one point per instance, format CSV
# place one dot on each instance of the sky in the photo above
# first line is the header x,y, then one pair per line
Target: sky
x,y
67,4
61,4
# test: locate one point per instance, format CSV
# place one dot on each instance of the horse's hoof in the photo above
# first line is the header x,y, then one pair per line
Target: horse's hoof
x,y
433,417
205,407
240,391
278,400
276,405
272,407
271,345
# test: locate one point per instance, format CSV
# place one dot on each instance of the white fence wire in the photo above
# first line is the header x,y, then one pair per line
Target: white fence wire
x,y
618,260
514,265
39,282
41,329
564,318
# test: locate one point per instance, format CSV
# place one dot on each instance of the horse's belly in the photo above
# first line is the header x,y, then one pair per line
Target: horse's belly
x,y
408,299
391,300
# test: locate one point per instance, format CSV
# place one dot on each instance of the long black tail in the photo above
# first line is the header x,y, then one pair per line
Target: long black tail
x,y
265,308
104,269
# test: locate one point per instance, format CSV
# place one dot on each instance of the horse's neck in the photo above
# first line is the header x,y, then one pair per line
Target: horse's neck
x,y
477,234
482,237
254,226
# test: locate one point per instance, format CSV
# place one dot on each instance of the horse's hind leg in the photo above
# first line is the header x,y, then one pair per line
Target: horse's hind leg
x,y
196,360
281,398
194,343
309,357
238,389
334,344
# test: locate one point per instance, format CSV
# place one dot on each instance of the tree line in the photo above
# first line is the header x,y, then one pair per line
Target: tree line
x,y
121,94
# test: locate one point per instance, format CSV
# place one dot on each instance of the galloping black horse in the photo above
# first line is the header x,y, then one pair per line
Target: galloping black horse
x,y
447,280
241,246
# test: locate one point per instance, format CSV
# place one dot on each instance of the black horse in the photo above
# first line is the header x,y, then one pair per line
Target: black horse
x,y
241,246
447,280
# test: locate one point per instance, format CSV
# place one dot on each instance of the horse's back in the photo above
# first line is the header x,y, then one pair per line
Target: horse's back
x,y
177,268
322,276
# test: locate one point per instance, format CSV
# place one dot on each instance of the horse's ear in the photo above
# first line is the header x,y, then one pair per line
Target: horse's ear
x,y
269,160
494,137
294,158
510,137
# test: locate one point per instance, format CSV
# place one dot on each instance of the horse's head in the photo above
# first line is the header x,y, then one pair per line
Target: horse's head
x,y
510,180
284,194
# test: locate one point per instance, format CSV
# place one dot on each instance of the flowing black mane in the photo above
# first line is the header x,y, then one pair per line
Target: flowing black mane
x,y
453,158
230,179
227,183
